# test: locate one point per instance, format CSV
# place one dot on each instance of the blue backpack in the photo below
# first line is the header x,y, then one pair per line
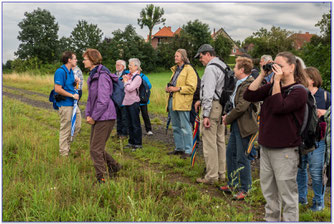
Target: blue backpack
x,y
118,92
144,90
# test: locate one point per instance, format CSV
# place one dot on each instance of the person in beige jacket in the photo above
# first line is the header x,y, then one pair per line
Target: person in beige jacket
x,y
243,121
181,89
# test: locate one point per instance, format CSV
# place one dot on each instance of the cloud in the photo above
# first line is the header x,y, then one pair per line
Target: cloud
x,y
239,20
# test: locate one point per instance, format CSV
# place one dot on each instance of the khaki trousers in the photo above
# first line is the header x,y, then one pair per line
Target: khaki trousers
x,y
65,113
278,178
99,136
214,148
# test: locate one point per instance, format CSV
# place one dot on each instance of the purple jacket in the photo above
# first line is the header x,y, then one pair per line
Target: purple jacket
x,y
100,106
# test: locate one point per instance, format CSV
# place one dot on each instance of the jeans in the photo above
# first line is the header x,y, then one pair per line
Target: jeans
x,y
315,159
238,165
122,121
181,129
132,114
146,118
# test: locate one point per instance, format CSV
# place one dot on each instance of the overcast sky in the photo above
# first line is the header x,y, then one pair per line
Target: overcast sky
x,y
239,19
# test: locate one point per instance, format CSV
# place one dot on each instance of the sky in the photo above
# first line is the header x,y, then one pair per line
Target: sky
x,y
239,19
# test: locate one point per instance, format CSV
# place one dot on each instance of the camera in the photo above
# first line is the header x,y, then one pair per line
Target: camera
x,y
228,107
169,84
59,97
268,67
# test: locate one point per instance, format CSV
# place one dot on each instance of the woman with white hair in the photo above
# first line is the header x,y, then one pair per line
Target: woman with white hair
x,y
181,89
132,82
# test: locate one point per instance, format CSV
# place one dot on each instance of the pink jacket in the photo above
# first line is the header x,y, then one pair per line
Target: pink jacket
x,y
131,88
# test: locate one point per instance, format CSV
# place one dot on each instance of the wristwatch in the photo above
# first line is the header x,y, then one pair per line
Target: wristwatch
x,y
180,89
72,96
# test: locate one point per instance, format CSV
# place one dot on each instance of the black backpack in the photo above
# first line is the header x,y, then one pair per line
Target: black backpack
x,y
310,128
144,90
229,85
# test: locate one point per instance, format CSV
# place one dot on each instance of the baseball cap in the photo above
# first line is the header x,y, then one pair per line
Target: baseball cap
x,y
204,48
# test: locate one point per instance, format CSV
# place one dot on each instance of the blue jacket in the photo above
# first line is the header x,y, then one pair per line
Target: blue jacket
x,y
145,78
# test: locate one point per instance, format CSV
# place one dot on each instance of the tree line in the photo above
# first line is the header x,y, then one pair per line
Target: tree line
x,y
40,47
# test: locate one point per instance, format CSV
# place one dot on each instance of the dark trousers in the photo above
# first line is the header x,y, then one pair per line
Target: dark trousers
x,y
132,114
122,122
99,135
146,118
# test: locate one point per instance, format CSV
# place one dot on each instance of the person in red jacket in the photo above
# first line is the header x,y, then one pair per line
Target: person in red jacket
x,y
278,135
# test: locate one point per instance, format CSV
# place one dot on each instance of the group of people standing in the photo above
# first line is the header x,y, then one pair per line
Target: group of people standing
x,y
266,95
101,112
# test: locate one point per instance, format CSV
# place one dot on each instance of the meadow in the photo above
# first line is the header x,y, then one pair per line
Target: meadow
x,y
38,185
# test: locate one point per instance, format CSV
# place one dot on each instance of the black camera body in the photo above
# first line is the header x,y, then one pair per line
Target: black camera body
x,y
228,107
268,67
169,84
59,97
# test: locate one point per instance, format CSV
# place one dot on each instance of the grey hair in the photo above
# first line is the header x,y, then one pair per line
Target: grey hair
x,y
266,57
122,62
184,56
301,62
136,62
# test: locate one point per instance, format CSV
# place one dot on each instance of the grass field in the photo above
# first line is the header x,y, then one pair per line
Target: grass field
x,y
38,185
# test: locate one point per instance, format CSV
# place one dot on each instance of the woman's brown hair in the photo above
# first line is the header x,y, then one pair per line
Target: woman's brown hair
x,y
314,74
93,55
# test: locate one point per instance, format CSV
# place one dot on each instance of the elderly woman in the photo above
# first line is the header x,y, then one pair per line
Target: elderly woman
x,y
315,159
100,112
181,89
132,82
278,135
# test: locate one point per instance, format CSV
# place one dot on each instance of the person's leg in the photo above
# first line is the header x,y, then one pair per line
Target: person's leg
x,y
146,118
285,165
130,125
65,114
302,180
186,131
176,126
316,164
231,161
119,120
243,163
136,132
124,122
269,187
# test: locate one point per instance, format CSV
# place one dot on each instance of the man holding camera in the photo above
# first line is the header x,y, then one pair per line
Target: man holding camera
x,y
212,128
266,63
64,86
243,121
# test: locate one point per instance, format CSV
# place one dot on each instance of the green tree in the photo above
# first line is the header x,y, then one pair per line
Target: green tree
x,y
325,27
222,46
270,41
84,36
38,36
151,16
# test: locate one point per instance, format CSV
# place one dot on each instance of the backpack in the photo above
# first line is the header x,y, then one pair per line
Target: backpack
x,y
229,85
144,91
55,97
118,92
310,128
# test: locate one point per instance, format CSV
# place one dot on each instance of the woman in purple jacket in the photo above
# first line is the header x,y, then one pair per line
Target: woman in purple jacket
x,y
100,113
278,135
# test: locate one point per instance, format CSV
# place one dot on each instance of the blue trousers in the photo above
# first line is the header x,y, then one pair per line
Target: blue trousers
x,y
182,130
238,165
132,114
315,161
122,121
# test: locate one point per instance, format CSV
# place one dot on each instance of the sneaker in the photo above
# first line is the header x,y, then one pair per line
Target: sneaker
x,y
101,180
303,201
185,156
226,189
174,152
128,146
317,207
113,169
135,147
204,181
240,196
149,133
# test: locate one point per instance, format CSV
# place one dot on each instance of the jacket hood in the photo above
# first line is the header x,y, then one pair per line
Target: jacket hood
x,y
93,74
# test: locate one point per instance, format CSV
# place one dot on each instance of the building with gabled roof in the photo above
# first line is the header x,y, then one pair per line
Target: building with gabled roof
x,y
235,49
300,39
164,34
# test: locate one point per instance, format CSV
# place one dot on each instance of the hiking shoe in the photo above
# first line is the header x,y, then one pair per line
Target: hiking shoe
x,y
204,181
174,152
303,201
240,196
185,156
149,133
128,146
113,169
135,147
226,189
101,180
317,207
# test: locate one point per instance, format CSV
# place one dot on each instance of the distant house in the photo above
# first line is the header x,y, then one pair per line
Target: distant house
x,y
300,39
235,50
164,34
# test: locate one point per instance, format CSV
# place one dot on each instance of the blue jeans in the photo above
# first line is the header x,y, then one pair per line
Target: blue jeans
x,y
236,159
132,114
182,131
315,160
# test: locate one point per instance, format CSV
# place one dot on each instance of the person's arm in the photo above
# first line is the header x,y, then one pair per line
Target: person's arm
x,y
132,85
103,96
190,83
59,81
209,83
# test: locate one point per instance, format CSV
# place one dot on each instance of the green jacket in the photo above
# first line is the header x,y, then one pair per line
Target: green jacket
x,y
187,80
243,112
